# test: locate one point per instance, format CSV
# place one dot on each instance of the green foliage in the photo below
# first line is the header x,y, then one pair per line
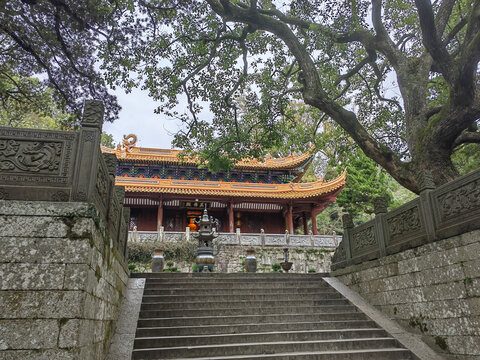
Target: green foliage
x,y
276,267
56,42
467,158
142,252
255,78
27,103
312,270
365,181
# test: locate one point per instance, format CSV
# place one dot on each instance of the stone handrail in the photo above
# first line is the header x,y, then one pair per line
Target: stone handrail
x,y
62,166
248,239
450,210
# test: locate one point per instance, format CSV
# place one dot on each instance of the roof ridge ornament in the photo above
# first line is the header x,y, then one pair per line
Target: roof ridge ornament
x,y
128,143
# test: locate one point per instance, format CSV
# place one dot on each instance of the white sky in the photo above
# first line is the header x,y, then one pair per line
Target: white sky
x,y
137,117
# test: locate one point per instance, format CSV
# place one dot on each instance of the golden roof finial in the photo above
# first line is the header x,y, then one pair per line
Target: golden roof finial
x,y
129,145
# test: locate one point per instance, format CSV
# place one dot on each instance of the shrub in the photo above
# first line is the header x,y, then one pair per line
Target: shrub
x,y
179,251
276,267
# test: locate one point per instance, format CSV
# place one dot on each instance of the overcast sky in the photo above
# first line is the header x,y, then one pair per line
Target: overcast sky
x,y
138,117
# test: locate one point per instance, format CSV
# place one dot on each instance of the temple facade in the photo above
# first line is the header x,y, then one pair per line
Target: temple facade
x,y
163,191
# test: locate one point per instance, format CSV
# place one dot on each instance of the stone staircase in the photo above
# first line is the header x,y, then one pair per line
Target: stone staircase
x,y
254,316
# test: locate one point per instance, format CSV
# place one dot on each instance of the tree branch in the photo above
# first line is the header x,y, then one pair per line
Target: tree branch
x,y
466,137
313,93
431,39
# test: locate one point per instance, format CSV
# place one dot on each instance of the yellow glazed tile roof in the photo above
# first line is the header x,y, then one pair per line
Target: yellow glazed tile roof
x,y
234,189
171,156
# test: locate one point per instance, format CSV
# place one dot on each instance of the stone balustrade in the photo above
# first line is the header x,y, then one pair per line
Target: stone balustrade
x,y
247,239
437,214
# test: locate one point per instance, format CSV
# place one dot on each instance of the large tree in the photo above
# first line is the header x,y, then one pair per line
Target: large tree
x,y
339,57
56,41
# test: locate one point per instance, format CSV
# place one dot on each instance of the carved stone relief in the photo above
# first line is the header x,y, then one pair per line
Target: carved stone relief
x,y
60,196
4,194
93,113
404,222
39,157
363,239
460,200
102,185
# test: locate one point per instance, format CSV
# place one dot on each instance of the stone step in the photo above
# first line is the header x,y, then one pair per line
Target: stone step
x,y
364,354
245,319
274,336
188,305
244,297
291,285
206,291
264,348
256,327
246,310
235,276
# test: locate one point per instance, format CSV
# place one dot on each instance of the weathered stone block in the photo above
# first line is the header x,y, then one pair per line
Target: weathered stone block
x,y
94,308
76,276
15,276
69,332
461,326
83,227
452,290
467,345
33,226
48,354
28,334
471,268
85,332
41,304
43,250
100,331
446,274
404,281
404,296
44,208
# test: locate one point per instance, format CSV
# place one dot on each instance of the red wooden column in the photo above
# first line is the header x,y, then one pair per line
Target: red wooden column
x,y
160,214
305,224
314,222
290,218
231,223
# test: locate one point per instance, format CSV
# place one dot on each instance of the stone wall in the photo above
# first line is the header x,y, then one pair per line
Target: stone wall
x,y
433,290
231,258
62,242
61,281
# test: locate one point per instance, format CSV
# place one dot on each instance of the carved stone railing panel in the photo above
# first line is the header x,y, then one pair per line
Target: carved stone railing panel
x,y
300,240
323,241
36,164
363,239
44,165
171,236
457,205
405,227
326,241
275,239
436,214
227,238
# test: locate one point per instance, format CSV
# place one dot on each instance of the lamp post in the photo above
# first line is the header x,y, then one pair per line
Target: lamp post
x,y
205,259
